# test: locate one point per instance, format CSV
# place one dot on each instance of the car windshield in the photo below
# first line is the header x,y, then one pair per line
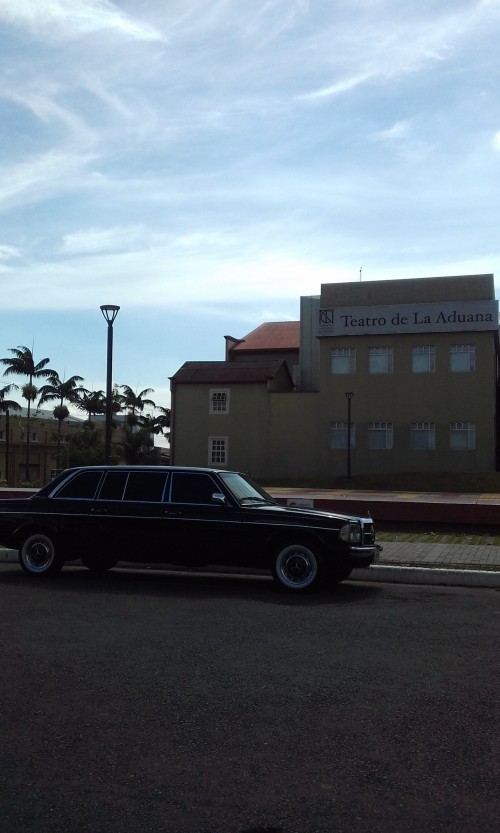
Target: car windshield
x,y
243,490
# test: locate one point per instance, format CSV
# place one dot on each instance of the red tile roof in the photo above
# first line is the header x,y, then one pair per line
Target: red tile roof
x,y
275,335
217,373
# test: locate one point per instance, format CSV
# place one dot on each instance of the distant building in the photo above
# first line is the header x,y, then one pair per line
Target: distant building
x,y
44,458
47,456
419,359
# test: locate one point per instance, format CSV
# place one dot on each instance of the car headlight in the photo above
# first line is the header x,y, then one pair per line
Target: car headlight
x,y
351,533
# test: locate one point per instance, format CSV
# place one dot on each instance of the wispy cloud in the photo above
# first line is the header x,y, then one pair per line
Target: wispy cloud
x,y
61,19
36,179
227,157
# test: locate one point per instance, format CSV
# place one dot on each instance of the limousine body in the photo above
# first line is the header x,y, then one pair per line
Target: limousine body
x,y
194,517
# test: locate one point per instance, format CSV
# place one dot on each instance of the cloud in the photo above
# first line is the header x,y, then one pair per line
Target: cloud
x,y
398,131
95,240
62,19
9,252
40,177
496,139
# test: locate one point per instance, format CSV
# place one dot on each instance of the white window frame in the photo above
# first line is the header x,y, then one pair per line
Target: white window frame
x,y
423,358
380,360
462,436
343,361
462,358
338,435
378,430
218,451
422,430
219,400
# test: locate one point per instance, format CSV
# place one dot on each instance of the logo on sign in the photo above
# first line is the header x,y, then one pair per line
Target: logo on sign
x,y
327,316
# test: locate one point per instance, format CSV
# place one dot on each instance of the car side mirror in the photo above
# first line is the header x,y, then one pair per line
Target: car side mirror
x,y
219,498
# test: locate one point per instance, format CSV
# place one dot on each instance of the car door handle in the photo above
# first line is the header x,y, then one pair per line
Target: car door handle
x,y
172,514
99,511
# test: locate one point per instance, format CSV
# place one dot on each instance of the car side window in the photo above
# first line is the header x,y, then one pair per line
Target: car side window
x,y
192,487
113,486
83,486
148,486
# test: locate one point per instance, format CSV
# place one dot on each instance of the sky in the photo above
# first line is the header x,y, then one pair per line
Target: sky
x,y
203,165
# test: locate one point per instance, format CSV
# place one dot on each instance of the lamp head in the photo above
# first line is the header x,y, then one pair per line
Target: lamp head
x,y
110,311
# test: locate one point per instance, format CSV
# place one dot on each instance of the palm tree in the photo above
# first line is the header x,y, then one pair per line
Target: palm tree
x,y
135,403
158,424
23,364
7,405
92,402
61,391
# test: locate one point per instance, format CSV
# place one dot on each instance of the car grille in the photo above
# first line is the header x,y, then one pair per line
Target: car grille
x,y
368,534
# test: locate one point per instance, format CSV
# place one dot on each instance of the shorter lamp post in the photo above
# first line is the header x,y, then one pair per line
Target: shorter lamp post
x,y
109,311
349,396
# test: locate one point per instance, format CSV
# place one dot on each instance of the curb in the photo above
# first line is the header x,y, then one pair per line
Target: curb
x,y
389,573
427,575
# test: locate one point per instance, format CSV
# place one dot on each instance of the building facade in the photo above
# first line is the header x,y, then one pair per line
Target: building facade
x,y
384,376
46,453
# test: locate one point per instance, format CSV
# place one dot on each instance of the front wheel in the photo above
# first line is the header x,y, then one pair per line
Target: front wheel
x,y
39,555
298,567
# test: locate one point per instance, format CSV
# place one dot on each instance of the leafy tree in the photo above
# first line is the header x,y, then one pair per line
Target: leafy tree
x,y
86,448
61,391
23,364
138,446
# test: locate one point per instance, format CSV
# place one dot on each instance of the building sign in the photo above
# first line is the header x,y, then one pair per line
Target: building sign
x,y
440,317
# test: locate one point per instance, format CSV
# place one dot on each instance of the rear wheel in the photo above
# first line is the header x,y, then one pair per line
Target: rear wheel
x,y
298,567
39,555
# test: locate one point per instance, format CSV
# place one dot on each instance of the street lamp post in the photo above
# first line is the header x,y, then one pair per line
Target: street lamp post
x,y
109,311
349,396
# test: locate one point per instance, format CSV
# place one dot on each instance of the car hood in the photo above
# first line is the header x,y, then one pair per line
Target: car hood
x,y
306,514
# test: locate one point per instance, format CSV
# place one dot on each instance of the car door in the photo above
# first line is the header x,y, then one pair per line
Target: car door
x,y
68,510
204,528
129,512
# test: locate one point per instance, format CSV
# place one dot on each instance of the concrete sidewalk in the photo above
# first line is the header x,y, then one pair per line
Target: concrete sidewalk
x,y
459,565
454,565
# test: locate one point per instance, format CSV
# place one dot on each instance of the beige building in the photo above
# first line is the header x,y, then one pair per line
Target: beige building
x,y
418,358
46,455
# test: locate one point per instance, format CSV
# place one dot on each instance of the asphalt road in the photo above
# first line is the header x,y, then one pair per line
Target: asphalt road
x,y
145,702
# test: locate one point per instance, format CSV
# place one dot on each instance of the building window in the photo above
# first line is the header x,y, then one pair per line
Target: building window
x,y
380,435
2,436
423,359
32,436
462,436
219,401
338,435
423,436
217,451
343,360
462,358
380,360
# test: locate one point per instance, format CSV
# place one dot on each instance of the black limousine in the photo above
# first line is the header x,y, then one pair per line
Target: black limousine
x,y
194,517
